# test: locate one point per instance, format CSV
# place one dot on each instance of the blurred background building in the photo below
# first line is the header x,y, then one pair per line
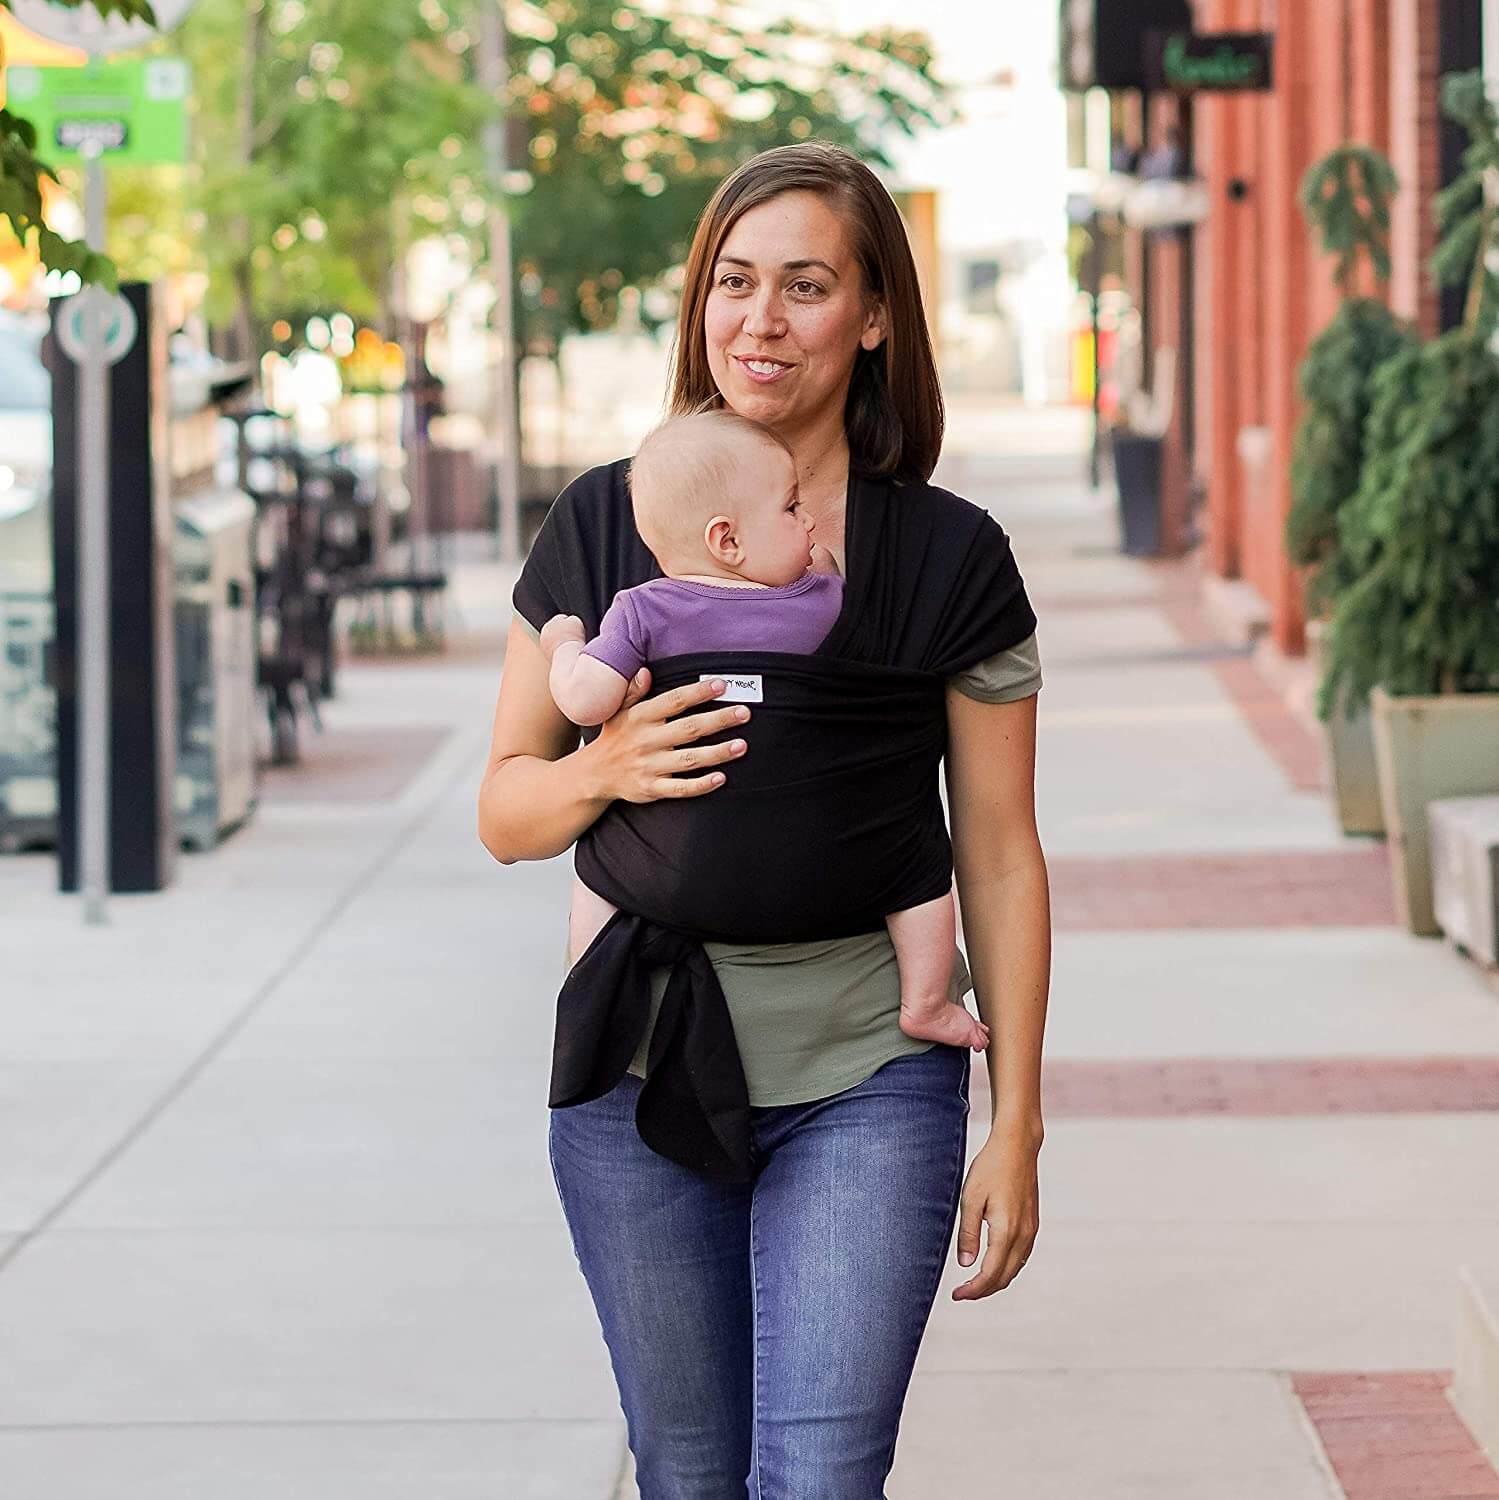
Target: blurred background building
x,y
1225,297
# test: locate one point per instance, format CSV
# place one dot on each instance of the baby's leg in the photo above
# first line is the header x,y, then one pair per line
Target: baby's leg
x,y
585,920
925,937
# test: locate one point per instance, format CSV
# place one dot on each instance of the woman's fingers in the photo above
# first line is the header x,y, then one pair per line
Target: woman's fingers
x,y
970,1219
689,786
679,700
1008,1249
706,755
988,1276
710,721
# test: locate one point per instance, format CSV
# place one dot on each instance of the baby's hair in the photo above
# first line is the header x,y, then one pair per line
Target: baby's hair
x,y
684,471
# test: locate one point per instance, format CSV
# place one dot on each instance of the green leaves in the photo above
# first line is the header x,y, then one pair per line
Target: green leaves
x,y
1335,383
1465,209
627,141
1413,573
1420,612
21,173
1346,197
21,177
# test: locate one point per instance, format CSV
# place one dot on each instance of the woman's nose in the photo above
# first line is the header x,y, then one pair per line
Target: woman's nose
x,y
764,317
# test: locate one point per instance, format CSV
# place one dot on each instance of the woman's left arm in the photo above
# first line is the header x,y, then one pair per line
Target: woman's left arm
x,y
1006,909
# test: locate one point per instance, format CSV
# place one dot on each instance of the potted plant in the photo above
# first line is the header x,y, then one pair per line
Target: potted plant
x,y
1418,627
1346,198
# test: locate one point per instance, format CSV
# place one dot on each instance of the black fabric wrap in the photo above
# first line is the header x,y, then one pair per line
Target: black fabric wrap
x,y
832,820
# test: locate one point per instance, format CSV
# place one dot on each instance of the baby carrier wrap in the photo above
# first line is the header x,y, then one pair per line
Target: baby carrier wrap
x,y
832,820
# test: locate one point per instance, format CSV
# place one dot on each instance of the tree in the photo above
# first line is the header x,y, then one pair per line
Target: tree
x,y
332,134
636,111
1346,197
1423,528
22,171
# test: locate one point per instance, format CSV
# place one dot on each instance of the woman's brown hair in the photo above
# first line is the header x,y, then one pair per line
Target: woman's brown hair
x,y
893,416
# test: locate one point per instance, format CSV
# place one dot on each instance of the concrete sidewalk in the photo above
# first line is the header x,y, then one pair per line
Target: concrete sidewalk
x,y
276,1217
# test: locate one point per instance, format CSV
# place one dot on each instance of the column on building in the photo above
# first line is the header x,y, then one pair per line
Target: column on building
x,y
1344,70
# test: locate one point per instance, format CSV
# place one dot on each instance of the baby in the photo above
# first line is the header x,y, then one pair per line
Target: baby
x,y
715,500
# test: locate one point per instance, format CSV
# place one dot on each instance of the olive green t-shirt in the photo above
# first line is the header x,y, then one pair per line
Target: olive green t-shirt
x,y
813,1019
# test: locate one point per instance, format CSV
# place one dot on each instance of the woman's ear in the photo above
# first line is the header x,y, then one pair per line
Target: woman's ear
x,y
874,328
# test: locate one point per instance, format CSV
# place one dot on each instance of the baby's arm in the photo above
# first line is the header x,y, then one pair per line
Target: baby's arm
x,y
583,687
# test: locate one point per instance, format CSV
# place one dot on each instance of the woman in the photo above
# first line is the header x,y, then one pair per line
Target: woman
x,y
766,1331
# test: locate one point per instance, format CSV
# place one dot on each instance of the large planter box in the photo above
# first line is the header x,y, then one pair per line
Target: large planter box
x,y
1355,776
1350,753
1425,748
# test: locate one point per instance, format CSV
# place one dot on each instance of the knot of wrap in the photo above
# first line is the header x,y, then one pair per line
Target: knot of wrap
x,y
694,1104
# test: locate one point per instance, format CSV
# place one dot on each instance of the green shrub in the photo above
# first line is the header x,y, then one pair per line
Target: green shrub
x,y
1346,197
1420,537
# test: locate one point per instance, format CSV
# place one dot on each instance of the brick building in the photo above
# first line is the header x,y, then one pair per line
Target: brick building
x,y
1244,291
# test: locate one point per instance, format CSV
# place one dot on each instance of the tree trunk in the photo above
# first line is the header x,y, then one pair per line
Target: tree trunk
x,y
257,20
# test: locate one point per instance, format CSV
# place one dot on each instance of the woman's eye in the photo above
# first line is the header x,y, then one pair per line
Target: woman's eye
x,y
810,288
725,280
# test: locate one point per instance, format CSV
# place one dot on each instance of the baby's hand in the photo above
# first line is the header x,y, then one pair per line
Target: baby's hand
x,y
558,629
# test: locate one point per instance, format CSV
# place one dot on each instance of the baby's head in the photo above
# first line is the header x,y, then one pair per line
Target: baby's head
x,y
715,493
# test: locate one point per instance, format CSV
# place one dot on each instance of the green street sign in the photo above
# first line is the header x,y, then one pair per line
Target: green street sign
x,y
135,111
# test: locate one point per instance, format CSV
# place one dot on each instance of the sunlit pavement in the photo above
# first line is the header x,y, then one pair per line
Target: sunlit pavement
x,y
275,1209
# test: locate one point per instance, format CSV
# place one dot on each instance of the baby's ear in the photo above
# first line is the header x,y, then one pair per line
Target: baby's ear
x,y
718,534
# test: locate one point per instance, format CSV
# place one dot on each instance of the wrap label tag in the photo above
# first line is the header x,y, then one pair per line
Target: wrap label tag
x,y
740,689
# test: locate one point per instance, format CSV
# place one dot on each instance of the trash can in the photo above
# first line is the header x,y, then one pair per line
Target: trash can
x,y
216,667
1137,472
28,701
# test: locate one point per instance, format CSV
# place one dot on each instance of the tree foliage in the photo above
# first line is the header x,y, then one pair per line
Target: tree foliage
x,y
1346,197
331,134
22,171
328,134
634,113
1422,531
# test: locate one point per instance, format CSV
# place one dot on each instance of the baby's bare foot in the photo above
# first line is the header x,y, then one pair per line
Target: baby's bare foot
x,y
944,1022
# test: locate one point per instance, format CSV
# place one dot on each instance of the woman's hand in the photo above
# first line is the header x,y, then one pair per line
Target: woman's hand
x,y
635,754
1000,1190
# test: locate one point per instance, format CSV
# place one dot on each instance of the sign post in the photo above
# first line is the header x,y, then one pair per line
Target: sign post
x,y
93,573
131,112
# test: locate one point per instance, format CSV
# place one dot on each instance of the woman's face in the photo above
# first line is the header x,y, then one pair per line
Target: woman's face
x,y
786,313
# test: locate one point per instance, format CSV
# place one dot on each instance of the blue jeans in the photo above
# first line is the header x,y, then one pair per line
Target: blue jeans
x,y
762,1334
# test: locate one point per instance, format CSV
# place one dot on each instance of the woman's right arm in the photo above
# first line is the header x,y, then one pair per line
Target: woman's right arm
x,y
541,789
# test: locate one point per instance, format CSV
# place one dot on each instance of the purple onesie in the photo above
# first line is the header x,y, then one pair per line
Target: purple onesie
x,y
674,616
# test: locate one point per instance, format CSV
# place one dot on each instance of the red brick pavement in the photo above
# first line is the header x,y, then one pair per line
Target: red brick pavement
x,y
355,765
1295,888
1163,1088
1395,1436
1294,746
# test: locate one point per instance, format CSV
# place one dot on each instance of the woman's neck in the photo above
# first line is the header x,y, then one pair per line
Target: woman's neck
x,y
821,456
822,470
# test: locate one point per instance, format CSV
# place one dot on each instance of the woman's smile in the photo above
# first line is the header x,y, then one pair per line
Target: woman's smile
x,y
762,370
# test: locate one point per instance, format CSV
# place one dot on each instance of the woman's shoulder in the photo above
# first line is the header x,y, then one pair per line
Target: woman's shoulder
x,y
946,529
586,551
602,488
944,507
